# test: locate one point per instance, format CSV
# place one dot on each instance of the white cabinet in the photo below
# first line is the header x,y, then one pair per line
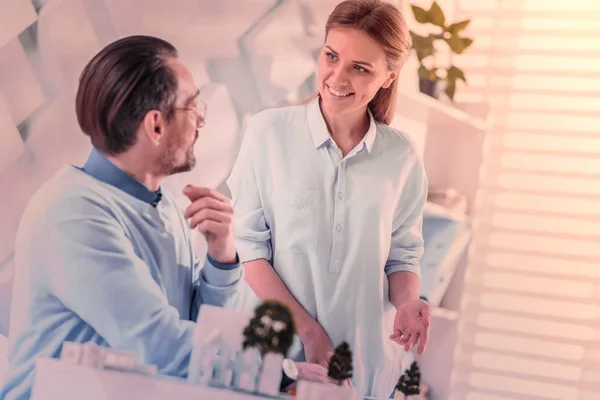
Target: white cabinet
x,y
452,143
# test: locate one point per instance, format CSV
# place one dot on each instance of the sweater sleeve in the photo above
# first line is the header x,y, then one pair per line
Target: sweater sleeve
x,y
96,273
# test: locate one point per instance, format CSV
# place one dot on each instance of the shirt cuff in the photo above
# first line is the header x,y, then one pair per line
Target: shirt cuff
x,y
415,269
250,251
218,274
222,266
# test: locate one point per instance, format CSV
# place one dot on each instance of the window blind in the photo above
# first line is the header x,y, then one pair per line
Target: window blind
x,y
529,325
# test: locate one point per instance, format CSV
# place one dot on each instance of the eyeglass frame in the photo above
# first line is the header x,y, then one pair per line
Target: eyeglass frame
x,y
200,109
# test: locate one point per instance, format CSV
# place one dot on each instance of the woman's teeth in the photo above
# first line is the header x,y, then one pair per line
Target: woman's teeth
x,y
338,94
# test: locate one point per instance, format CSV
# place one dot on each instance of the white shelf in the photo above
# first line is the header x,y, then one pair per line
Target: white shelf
x,y
447,268
442,114
451,142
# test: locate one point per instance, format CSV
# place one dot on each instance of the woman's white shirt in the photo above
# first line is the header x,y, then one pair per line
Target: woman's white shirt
x,y
333,227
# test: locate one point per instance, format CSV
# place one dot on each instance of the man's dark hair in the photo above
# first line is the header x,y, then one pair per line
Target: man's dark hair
x,y
120,85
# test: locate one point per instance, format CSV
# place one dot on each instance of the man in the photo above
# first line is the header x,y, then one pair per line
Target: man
x,y
102,253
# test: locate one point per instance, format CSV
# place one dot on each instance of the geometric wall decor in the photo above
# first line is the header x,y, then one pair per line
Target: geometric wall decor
x,y
279,66
67,41
15,16
11,144
19,85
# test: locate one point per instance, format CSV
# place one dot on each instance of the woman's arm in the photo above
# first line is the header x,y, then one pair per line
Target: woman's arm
x,y
411,324
253,239
267,285
407,245
404,286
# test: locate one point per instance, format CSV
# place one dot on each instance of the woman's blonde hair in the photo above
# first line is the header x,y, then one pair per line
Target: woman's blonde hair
x,y
386,25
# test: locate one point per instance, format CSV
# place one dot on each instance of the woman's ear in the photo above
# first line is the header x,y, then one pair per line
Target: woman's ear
x,y
393,75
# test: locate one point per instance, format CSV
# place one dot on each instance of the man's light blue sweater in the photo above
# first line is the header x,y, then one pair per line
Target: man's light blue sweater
x,y
101,258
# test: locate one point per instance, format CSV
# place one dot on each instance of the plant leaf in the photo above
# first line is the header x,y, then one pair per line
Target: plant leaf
x,y
456,44
466,43
436,15
450,89
423,45
456,27
455,73
420,14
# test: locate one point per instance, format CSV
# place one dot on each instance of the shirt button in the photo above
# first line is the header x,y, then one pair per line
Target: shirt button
x,y
340,195
338,228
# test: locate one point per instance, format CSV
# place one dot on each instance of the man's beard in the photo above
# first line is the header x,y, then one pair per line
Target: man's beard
x,y
169,165
188,164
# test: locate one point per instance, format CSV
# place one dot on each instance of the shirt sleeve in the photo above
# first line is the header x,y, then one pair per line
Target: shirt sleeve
x,y
253,235
406,247
216,284
96,273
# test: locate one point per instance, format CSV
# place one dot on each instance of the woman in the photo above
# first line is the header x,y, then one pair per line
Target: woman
x,y
329,203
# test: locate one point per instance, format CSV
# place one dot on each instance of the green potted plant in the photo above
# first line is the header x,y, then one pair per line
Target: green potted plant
x,y
430,73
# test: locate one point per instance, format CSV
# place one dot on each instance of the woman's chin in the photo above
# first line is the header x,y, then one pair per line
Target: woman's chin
x,y
337,105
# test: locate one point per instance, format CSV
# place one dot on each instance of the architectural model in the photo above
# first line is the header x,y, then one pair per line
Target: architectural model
x,y
91,355
233,351
245,352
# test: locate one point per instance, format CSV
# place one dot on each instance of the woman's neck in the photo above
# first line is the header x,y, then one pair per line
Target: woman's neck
x,y
347,130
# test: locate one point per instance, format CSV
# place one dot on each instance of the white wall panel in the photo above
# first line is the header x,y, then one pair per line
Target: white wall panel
x,y
11,145
15,16
19,85
67,41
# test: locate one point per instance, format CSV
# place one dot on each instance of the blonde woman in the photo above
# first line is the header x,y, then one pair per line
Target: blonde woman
x,y
329,198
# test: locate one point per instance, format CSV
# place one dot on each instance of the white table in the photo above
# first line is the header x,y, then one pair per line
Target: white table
x,y
56,380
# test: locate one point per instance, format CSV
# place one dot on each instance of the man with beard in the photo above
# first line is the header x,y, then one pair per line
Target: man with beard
x,y
103,254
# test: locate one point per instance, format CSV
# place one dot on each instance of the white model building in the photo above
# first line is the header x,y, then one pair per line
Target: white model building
x,y
94,356
248,368
244,370
270,374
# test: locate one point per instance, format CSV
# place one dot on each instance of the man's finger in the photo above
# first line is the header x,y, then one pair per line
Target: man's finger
x,y
208,226
207,202
208,214
196,192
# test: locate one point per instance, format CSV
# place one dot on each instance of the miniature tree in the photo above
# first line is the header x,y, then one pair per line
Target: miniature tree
x,y
271,330
340,365
410,382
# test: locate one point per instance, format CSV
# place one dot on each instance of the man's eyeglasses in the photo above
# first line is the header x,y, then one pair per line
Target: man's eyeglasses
x,y
200,110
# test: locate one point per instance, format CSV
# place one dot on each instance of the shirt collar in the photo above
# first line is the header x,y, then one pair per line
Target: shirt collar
x,y
320,133
99,167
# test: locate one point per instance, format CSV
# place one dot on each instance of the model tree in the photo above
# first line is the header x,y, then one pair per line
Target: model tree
x,y
410,382
340,365
271,330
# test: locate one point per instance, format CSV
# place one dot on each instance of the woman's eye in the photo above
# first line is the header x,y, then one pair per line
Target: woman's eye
x,y
331,56
360,69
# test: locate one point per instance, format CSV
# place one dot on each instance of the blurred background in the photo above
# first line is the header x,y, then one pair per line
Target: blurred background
x,y
512,226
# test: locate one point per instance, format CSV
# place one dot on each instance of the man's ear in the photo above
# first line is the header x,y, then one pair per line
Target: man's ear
x,y
393,75
153,126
